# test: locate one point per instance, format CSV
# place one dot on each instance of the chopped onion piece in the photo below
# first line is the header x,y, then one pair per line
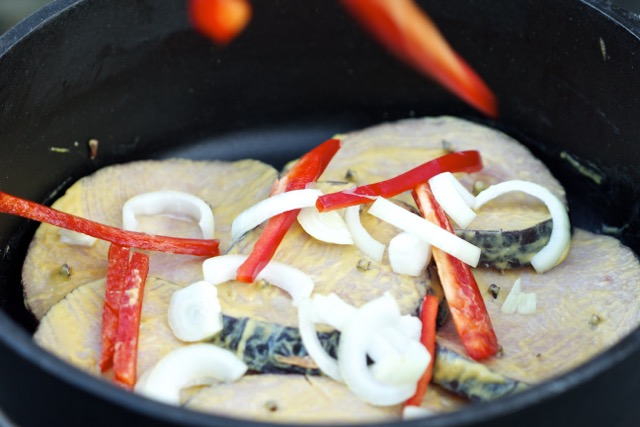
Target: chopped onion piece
x,y
71,237
168,202
425,230
331,310
518,301
556,249
274,205
411,412
361,237
409,254
195,313
327,364
527,303
186,366
355,338
454,199
406,365
223,268
326,226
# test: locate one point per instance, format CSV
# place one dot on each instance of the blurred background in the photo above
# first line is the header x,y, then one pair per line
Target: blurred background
x,y
13,11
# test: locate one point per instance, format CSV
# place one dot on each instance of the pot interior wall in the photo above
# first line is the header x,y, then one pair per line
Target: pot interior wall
x,y
134,76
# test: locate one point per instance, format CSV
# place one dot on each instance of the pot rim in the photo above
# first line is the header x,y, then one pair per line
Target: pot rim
x,y
16,338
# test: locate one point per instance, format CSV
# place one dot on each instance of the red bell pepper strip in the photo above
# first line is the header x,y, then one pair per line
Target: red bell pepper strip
x,y
219,20
411,35
460,161
304,172
428,317
116,273
461,291
17,206
125,355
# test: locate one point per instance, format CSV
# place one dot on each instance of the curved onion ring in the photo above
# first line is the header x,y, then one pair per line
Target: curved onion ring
x,y
326,226
223,268
556,249
195,313
361,237
454,199
195,364
168,202
274,205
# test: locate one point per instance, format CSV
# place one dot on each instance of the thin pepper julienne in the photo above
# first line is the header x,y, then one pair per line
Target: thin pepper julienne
x,y
27,209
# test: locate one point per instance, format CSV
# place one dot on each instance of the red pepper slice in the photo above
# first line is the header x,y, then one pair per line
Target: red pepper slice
x,y
125,356
466,305
305,171
27,209
411,35
116,274
460,161
428,317
220,20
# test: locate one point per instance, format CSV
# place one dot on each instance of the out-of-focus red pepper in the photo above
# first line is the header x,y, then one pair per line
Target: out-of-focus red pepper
x,y
464,299
428,317
460,161
118,260
220,20
17,206
411,35
304,172
125,355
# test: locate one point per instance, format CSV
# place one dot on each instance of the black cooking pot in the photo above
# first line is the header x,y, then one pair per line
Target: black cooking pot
x,y
132,75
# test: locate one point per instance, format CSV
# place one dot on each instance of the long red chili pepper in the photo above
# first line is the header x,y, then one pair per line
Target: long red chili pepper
x,y
220,20
412,36
460,161
125,355
428,316
305,171
464,299
118,262
27,209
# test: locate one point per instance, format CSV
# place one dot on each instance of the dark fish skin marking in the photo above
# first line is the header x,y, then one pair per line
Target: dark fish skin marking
x,y
507,249
263,346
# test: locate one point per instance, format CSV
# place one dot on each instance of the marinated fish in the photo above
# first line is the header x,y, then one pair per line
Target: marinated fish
x,y
53,268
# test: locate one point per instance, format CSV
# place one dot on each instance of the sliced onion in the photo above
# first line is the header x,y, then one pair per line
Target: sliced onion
x,y
71,237
195,364
331,310
274,205
406,366
425,230
327,364
326,226
195,313
169,202
527,303
556,249
223,268
352,351
409,254
510,304
411,412
361,237
454,199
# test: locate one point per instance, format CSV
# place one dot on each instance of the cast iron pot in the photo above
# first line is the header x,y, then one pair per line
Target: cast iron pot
x,y
132,75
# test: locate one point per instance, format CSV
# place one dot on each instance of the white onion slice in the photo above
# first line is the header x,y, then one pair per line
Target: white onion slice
x,y
510,304
169,202
274,205
356,335
325,226
411,412
71,237
409,254
327,364
454,199
527,303
361,237
195,313
223,268
555,250
186,366
425,230
331,310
